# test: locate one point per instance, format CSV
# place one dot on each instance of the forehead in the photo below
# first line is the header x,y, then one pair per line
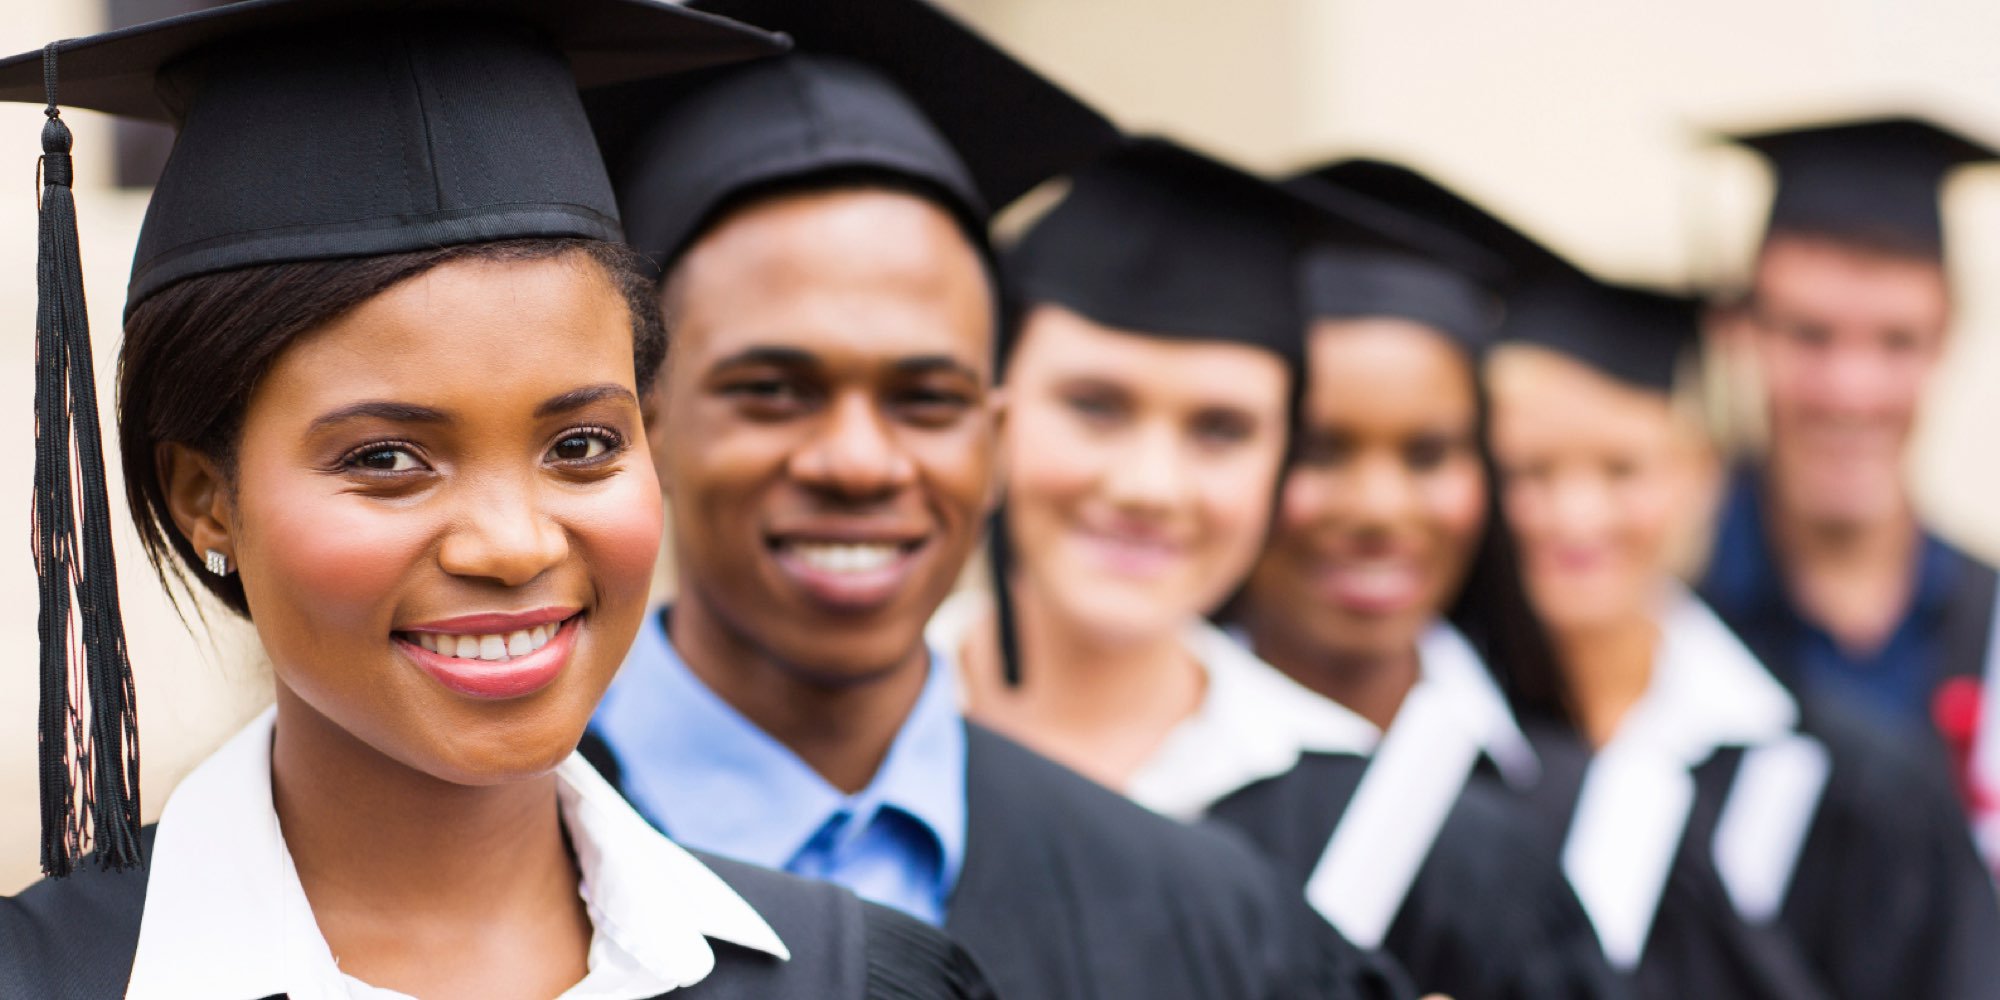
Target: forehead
x,y
1058,344
1546,403
857,273
1387,368
498,323
1822,276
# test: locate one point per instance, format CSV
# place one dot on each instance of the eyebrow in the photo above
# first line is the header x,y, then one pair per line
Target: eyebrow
x,y
578,398
408,413
794,357
411,413
926,363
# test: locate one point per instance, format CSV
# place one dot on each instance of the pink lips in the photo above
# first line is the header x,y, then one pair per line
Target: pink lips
x,y
495,680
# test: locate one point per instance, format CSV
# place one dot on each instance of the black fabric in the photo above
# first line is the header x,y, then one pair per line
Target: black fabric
x,y
75,938
312,129
1519,255
1873,180
1489,916
1161,240
1635,335
1358,284
891,86
1071,891
1888,899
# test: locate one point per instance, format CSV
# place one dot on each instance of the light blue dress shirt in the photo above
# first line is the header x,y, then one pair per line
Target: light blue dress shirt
x,y
714,781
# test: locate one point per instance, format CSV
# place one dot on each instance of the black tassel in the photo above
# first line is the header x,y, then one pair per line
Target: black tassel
x,y
1000,559
89,736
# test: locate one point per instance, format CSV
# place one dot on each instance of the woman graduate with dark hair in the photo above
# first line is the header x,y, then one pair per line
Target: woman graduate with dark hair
x,y
1387,584
380,396
1727,838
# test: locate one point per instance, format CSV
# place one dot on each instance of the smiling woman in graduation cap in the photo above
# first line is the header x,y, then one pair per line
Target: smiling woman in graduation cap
x,y
1727,838
379,394
1387,585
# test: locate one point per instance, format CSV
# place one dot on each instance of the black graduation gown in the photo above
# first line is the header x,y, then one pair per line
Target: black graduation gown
x,y
1888,899
1489,915
75,938
1071,892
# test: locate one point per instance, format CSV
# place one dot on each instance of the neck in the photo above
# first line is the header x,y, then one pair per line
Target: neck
x,y
1606,670
841,725
1100,706
1855,579
395,862
1371,683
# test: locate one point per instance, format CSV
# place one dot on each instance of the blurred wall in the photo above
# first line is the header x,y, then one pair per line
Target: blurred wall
x,y
1575,117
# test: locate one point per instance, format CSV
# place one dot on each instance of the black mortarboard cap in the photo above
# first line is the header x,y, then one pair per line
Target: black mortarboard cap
x,y
893,87
1450,289
307,129
1156,238
1519,255
1639,336
1876,181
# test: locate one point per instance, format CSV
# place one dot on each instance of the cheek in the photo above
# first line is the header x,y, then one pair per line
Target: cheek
x,y
1454,504
1235,503
619,531
1050,462
343,557
1303,503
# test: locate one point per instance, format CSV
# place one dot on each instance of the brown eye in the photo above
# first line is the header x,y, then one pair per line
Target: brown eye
x,y
580,446
381,458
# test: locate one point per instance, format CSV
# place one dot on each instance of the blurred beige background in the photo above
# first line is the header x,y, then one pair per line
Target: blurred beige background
x,y
1577,118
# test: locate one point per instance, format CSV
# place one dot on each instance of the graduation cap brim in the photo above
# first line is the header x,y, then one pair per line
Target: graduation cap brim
x,y
606,42
1010,126
1638,336
1874,180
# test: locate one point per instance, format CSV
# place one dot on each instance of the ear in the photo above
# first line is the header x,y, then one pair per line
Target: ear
x,y
198,498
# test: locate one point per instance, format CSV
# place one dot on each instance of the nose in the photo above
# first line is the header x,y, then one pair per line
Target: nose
x,y
1147,473
854,454
1380,490
504,536
1578,507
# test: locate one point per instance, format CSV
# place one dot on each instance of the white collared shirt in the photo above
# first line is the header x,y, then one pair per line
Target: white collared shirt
x,y
1707,691
226,918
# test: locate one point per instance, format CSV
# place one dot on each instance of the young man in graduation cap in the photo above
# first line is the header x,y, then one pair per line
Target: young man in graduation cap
x,y
1821,562
825,434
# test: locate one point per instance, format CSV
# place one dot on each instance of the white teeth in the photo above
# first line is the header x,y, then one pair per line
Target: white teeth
x,y
506,646
844,558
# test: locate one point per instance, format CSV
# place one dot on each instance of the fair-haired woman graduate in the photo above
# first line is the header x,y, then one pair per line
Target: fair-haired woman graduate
x,y
1728,839
380,395
1152,389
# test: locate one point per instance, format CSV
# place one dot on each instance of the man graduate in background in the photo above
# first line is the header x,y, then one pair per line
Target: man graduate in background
x,y
1821,562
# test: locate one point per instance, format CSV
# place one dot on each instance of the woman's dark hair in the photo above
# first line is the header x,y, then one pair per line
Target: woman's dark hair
x,y
196,350
1492,608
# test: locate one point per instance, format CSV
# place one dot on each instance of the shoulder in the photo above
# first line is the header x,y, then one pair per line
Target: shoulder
x,y
72,937
841,946
1059,808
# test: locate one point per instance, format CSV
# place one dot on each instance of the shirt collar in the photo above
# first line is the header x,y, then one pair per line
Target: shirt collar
x,y
1253,723
1708,690
226,917
1459,674
684,752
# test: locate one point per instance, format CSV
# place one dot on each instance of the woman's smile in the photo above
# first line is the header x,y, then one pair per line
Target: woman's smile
x,y
494,656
